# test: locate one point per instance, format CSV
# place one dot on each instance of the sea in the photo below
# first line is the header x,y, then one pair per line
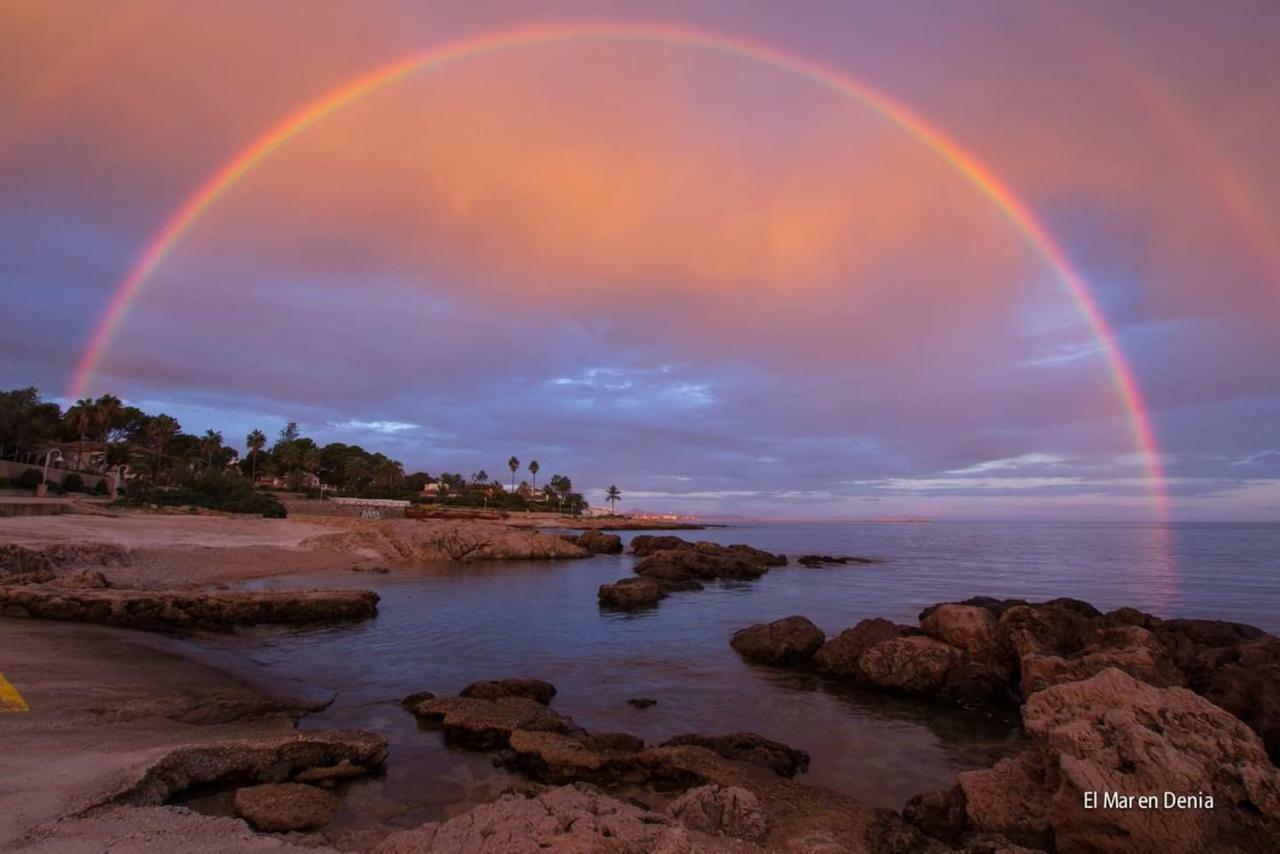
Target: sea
x,y
441,627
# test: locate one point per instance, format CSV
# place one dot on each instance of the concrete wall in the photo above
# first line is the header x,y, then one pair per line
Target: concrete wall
x,y
316,507
13,471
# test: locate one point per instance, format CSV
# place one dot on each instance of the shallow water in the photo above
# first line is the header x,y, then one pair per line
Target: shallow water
x,y
441,627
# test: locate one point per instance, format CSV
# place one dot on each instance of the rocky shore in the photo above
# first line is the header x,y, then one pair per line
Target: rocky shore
x,y
669,564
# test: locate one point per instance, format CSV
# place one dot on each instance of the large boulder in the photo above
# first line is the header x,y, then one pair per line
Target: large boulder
x,y
779,758
989,603
1132,649
916,664
1245,680
728,810
1050,628
597,542
786,641
701,565
839,655
972,629
532,689
647,544
283,807
630,593
1099,744
571,819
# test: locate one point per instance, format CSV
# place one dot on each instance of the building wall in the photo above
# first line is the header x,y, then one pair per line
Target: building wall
x,y
14,470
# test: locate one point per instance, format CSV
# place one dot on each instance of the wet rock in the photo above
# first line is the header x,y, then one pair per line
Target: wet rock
x,y
748,747
488,724
284,807
1114,733
647,544
786,641
642,702
152,609
814,561
620,741
344,770
532,689
728,810
976,684
574,819
916,664
839,655
995,606
264,760
1045,629
671,577
375,570
597,542
692,564
630,593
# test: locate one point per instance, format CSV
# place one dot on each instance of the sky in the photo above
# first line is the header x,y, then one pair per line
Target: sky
x,y
705,275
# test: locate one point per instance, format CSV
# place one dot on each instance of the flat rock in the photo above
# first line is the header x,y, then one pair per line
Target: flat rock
x,y
779,758
284,807
488,724
532,689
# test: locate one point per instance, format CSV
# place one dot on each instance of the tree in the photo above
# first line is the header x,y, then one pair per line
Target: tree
x,y
513,464
211,443
560,486
533,470
160,430
255,442
480,478
290,432
613,495
81,416
108,414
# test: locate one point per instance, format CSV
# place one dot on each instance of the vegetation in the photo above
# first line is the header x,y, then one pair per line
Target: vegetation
x,y
169,466
613,495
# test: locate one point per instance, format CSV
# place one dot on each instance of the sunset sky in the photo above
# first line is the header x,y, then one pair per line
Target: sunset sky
x,y
708,274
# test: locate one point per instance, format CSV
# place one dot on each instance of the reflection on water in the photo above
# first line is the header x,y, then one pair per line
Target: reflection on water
x,y
442,627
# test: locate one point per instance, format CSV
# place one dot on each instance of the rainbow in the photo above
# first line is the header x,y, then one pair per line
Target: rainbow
x,y
975,172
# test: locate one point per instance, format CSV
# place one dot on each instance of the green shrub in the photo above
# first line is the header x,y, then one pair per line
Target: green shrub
x,y
102,488
30,479
4,483
72,483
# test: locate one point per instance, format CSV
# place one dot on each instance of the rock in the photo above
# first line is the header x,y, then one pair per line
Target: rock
x,y
642,702
85,579
532,689
263,760
647,544
1129,648
629,593
728,810
1188,640
1114,733
597,542
839,656
283,807
975,684
699,565
814,561
376,570
571,819
344,770
972,629
995,606
488,724
152,609
620,741
1245,680
916,664
455,540
1045,629
786,641
669,575
748,747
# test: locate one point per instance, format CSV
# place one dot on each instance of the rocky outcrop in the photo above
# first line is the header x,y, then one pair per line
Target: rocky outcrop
x,y
787,641
1113,736
531,689
815,561
779,758
21,560
482,724
691,564
263,760
1245,680
573,819
154,609
596,542
628,594
464,541
728,810
839,656
916,664
284,807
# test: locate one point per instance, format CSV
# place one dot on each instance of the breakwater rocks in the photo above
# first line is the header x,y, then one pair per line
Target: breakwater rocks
x,y
166,609
735,791
669,564
1121,703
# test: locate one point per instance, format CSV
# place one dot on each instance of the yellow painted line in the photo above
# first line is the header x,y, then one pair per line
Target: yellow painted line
x,y
10,699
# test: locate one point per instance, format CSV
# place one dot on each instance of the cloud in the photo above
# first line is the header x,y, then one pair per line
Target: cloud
x,y
387,427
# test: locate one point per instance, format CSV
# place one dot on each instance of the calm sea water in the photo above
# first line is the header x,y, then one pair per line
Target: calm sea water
x,y
441,627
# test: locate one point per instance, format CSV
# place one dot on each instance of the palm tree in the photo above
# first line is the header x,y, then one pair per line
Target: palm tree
x,y
255,442
81,415
160,430
533,470
513,464
211,443
613,495
480,478
107,413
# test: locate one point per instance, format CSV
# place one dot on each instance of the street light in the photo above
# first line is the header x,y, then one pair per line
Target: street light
x,y
43,488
